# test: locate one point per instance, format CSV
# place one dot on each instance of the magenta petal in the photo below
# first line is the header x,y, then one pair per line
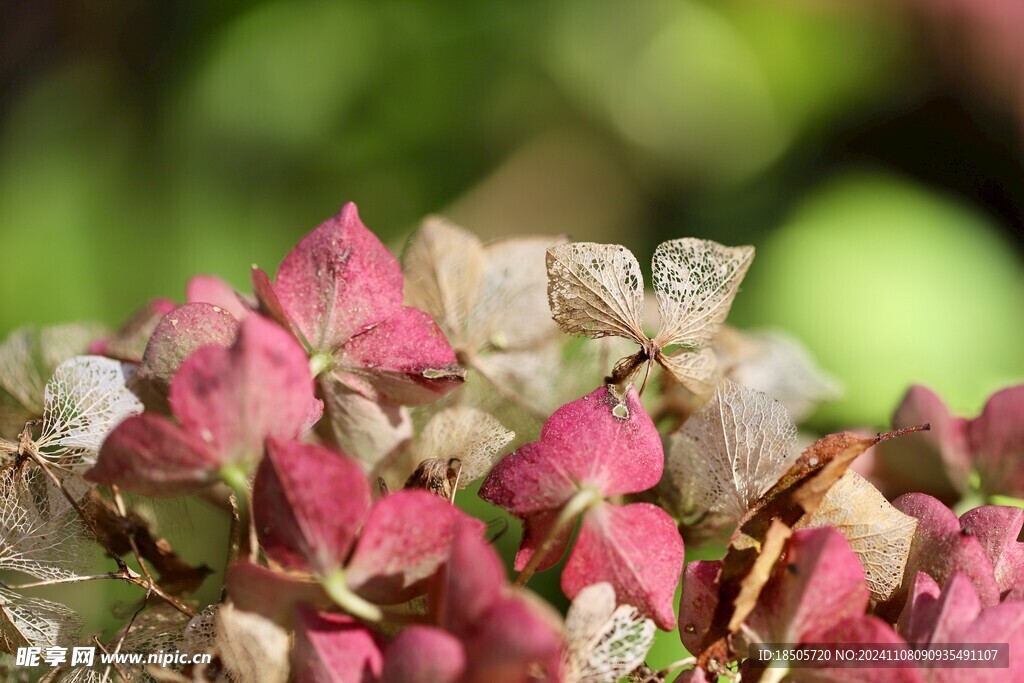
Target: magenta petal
x,y
236,398
334,648
210,289
180,333
535,529
150,455
637,549
956,608
941,547
698,602
269,304
516,638
532,480
583,443
997,528
857,631
405,359
338,281
819,584
470,582
614,454
308,503
404,541
275,595
997,442
420,654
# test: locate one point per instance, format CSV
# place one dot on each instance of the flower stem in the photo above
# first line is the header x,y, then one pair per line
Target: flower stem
x,y
335,586
247,543
583,500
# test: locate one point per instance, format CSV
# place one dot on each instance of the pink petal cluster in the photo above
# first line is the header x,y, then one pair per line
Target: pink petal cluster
x,y
610,448
314,514
940,461
227,402
340,291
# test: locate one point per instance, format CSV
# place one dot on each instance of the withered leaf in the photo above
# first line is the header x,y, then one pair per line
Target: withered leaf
x,y
797,494
596,290
877,532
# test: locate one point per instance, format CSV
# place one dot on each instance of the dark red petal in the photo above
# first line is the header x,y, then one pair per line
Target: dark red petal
x,y
150,455
941,547
405,539
405,359
637,549
470,582
536,528
180,333
518,637
698,602
997,528
338,281
819,584
334,648
275,595
421,654
308,503
234,399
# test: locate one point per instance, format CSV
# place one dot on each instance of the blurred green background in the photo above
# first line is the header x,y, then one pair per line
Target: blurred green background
x,y
871,151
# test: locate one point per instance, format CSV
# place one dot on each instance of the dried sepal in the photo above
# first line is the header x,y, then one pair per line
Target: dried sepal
x,y
28,357
605,642
735,448
83,402
34,622
41,534
779,365
695,282
877,532
128,344
596,290
371,431
251,647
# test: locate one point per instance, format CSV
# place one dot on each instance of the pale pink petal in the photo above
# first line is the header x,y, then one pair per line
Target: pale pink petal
x,y
997,442
420,654
150,455
334,648
129,342
339,281
309,504
637,549
210,289
404,541
234,399
918,616
405,359
180,333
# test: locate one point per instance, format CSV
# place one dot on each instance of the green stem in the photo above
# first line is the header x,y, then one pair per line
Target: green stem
x,y
583,500
335,586
996,499
237,479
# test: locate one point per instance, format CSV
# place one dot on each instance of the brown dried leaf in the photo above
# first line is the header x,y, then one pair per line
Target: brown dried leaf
x,y
751,584
877,532
471,435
